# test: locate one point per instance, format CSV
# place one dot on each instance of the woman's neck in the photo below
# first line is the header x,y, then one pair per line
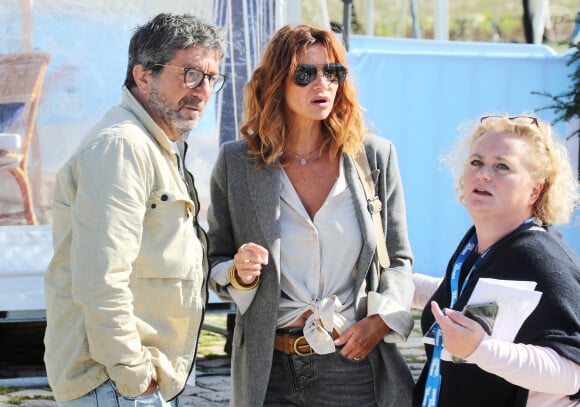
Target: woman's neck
x,y
489,231
303,143
303,138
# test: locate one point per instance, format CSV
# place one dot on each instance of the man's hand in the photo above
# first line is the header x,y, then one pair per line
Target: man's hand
x,y
152,385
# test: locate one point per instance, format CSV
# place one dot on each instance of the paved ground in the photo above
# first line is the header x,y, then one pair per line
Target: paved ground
x,y
209,388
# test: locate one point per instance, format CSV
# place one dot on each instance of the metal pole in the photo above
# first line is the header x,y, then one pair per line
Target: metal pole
x,y
415,18
527,19
370,17
346,17
441,20
541,13
324,12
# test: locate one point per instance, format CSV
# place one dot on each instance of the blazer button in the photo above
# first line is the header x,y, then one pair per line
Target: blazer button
x,y
164,197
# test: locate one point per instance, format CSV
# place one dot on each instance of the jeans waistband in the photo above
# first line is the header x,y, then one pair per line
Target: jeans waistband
x,y
293,331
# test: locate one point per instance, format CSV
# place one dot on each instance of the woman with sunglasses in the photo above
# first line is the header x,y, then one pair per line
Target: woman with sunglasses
x,y
292,242
516,181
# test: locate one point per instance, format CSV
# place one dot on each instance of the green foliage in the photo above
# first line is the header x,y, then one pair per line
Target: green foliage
x,y
18,400
567,104
211,343
15,400
6,390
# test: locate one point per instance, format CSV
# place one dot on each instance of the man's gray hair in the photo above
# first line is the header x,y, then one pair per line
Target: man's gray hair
x,y
156,41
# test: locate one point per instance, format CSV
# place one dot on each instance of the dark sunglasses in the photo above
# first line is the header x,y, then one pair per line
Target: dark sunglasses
x,y
525,119
307,73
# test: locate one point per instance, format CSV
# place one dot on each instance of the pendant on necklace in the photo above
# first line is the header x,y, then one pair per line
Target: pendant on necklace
x,y
303,158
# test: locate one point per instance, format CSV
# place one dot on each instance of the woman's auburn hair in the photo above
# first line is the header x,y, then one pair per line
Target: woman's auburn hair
x,y
264,122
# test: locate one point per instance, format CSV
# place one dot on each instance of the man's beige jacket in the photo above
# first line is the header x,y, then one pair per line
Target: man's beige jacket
x,y
126,288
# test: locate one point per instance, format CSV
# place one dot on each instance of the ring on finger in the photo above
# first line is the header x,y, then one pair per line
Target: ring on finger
x,y
356,359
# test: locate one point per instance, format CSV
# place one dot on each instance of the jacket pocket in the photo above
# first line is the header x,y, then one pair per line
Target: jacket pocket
x,y
170,248
165,205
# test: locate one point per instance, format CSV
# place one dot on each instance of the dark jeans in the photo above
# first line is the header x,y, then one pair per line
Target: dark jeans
x,y
320,380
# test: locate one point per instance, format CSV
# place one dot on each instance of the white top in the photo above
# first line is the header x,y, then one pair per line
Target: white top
x,y
549,376
318,263
318,266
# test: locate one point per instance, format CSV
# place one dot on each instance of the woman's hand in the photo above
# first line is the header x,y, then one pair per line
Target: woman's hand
x,y
248,261
361,338
461,335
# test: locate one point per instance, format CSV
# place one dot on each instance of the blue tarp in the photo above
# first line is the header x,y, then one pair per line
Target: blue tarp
x,y
418,92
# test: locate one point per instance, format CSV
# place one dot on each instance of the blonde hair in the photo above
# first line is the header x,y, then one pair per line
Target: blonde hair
x,y
548,162
265,126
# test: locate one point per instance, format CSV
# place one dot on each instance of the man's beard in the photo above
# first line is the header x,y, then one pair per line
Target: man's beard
x,y
171,116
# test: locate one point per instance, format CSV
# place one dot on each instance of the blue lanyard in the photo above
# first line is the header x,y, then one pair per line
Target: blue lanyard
x,y
469,247
431,394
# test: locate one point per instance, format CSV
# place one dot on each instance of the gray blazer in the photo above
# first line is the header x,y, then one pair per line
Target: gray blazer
x,y
245,207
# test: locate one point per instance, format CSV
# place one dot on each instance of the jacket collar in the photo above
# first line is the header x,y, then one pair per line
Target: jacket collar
x,y
131,103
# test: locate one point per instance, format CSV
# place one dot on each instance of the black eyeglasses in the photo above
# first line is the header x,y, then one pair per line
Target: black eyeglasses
x,y
306,73
193,77
528,119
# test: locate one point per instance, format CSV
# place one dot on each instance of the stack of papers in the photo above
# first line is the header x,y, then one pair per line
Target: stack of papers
x,y
516,300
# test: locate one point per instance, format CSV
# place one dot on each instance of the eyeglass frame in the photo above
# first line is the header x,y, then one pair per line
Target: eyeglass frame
x,y
209,76
534,120
339,71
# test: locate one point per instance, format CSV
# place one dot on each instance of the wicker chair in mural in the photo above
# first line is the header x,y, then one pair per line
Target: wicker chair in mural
x,y
21,78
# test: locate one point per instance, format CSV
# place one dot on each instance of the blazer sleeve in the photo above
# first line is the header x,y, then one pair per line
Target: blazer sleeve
x,y
393,296
220,229
221,233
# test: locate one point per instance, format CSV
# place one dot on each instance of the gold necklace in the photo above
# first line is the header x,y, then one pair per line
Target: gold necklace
x,y
303,158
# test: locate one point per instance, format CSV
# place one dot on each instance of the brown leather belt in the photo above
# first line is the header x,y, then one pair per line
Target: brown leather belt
x,y
292,341
289,343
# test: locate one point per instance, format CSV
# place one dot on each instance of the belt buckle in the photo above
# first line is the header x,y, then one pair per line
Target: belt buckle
x,y
299,352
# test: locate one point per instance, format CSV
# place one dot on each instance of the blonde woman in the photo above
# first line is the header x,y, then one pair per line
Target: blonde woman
x,y
516,181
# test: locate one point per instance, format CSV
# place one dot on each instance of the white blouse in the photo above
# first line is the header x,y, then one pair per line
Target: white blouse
x,y
318,263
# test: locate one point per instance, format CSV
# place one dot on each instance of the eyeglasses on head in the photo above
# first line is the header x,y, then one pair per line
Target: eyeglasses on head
x,y
526,119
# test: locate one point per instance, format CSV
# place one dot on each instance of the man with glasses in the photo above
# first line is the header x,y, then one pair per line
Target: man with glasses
x,y
126,288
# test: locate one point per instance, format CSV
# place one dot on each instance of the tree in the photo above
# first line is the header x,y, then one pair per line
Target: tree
x,y
567,104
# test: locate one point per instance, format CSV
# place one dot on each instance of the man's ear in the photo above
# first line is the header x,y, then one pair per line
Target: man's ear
x,y
142,78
